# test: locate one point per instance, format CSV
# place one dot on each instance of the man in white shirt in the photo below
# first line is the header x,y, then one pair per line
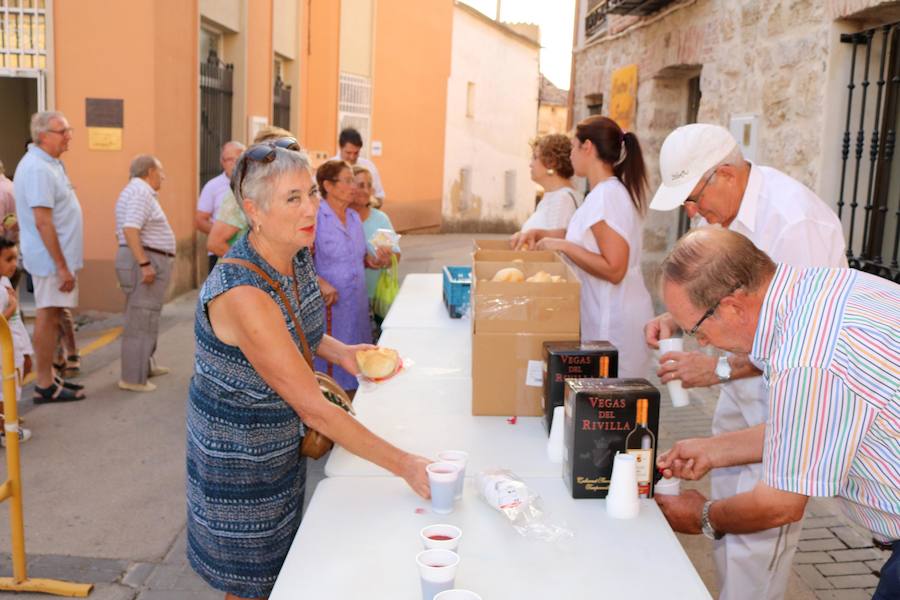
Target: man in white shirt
x,y
214,191
350,143
144,267
703,169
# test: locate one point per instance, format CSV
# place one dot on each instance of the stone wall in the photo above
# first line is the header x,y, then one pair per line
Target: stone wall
x,y
767,57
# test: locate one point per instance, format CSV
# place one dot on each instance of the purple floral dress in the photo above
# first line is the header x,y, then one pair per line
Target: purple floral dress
x,y
340,251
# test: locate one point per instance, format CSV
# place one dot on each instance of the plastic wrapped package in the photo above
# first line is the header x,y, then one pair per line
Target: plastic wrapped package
x,y
386,238
521,505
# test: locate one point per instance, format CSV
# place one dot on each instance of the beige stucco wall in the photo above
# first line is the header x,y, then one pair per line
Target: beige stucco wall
x,y
356,37
495,139
552,119
285,30
224,13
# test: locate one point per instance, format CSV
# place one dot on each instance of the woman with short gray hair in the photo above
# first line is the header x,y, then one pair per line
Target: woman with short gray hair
x,y
252,395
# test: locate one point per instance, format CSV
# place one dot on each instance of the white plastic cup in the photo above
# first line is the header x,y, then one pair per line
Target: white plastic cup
x,y
458,458
437,571
442,478
457,595
451,533
676,392
668,486
622,499
555,443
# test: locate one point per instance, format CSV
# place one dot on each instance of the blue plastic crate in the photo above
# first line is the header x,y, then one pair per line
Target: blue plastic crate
x,y
457,285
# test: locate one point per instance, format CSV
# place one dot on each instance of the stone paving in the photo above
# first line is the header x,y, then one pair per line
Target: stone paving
x,y
835,561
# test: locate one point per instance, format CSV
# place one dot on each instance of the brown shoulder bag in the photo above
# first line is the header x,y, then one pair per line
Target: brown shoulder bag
x,y
314,445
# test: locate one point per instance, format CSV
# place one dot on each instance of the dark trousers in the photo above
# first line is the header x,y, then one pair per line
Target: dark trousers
x,y
889,584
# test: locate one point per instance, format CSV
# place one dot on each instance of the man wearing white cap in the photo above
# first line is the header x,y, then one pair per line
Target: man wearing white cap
x,y
703,169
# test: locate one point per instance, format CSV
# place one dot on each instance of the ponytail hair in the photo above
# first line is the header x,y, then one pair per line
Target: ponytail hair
x,y
622,151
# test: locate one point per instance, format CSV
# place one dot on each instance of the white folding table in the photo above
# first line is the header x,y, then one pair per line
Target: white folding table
x,y
360,537
419,304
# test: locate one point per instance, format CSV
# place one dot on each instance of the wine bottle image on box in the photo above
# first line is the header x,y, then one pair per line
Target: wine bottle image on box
x,y
604,366
641,444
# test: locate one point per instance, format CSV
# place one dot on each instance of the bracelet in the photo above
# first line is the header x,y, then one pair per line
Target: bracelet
x,y
144,264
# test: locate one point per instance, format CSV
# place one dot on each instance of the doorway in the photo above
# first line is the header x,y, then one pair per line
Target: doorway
x,y
19,99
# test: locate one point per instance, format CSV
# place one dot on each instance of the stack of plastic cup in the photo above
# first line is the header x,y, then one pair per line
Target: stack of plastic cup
x,y
676,391
555,447
670,486
622,500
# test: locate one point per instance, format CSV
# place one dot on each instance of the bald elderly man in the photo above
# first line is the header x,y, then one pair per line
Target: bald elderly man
x,y
828,343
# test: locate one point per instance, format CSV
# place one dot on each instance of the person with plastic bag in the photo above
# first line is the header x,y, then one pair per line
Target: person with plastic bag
x,y
341,261
380,233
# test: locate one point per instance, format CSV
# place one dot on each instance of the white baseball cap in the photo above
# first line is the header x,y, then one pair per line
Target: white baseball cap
x,y
687,154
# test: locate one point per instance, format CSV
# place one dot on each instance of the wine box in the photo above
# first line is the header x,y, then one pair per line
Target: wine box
x,y
577,360
599,415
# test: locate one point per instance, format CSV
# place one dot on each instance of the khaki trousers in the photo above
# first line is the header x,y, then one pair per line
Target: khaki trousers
x,y
143,304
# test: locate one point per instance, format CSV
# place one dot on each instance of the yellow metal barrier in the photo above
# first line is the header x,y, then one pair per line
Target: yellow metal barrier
x,y
11,489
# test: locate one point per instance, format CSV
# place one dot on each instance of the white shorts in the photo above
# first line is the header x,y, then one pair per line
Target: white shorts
x,y
47,294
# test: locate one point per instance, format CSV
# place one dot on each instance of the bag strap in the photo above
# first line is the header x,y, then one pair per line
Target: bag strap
x,y
572,196
307,354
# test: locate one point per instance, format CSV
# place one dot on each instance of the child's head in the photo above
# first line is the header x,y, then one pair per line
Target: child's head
x,y
9,257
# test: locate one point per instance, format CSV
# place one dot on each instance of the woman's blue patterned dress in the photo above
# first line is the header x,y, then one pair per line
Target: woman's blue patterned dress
x,y
245,476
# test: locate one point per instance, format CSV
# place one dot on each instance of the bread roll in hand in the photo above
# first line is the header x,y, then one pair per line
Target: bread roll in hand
x,y
378,363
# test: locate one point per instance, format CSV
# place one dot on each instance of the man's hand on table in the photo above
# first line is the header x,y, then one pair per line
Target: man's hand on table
x,y
688,459
683,512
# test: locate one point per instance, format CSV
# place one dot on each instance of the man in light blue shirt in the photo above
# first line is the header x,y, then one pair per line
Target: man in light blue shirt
x,y
51,236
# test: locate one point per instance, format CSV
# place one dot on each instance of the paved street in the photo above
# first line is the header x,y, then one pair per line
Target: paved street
x,y
104,478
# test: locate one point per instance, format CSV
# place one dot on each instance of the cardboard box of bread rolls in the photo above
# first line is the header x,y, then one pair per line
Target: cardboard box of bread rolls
x,y
511,320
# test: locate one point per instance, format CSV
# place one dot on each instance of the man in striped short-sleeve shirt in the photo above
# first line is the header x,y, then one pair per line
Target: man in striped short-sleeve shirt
x,y
143,267
829,342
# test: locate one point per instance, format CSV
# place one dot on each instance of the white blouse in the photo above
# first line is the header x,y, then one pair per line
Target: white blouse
x,y
614,312
555,210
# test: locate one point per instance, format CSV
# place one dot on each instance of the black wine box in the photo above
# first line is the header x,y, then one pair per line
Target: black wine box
x,y
563,360
599,415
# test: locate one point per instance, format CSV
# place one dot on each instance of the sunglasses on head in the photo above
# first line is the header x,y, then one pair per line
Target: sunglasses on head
x,y
265,152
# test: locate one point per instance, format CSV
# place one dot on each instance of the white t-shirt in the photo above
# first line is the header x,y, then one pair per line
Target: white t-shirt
x,y
614,312
21,339
555,210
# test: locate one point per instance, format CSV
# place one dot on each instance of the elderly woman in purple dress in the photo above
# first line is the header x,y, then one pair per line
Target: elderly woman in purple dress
x,y
341,260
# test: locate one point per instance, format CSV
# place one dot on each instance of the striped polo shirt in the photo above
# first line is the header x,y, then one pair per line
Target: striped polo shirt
x,y
138,208
830,343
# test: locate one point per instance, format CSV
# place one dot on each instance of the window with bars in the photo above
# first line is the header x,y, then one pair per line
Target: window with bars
x,y
355,105
23,34
868,201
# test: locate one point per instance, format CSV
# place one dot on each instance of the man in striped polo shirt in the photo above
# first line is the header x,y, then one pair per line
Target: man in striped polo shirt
x,y
829,343
144,267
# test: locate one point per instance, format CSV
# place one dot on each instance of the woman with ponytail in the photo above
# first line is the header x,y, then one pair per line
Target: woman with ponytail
x,y
603,240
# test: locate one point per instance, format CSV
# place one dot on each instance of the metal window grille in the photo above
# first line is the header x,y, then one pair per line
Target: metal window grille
x,y
595,22
23,34
216,89
355,105
869,197
281,111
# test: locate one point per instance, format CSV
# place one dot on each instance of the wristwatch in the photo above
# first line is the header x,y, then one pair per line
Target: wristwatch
x,y
723,369
708,530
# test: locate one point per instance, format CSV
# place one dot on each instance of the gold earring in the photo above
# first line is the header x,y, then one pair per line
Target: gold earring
x,y
551,172
258,228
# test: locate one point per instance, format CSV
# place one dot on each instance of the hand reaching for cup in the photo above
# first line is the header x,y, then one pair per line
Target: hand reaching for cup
x,y
687,459
659,328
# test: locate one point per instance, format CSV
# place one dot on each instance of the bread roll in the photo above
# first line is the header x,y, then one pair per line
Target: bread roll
x,y
557,279
377,363
540,277
509,274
